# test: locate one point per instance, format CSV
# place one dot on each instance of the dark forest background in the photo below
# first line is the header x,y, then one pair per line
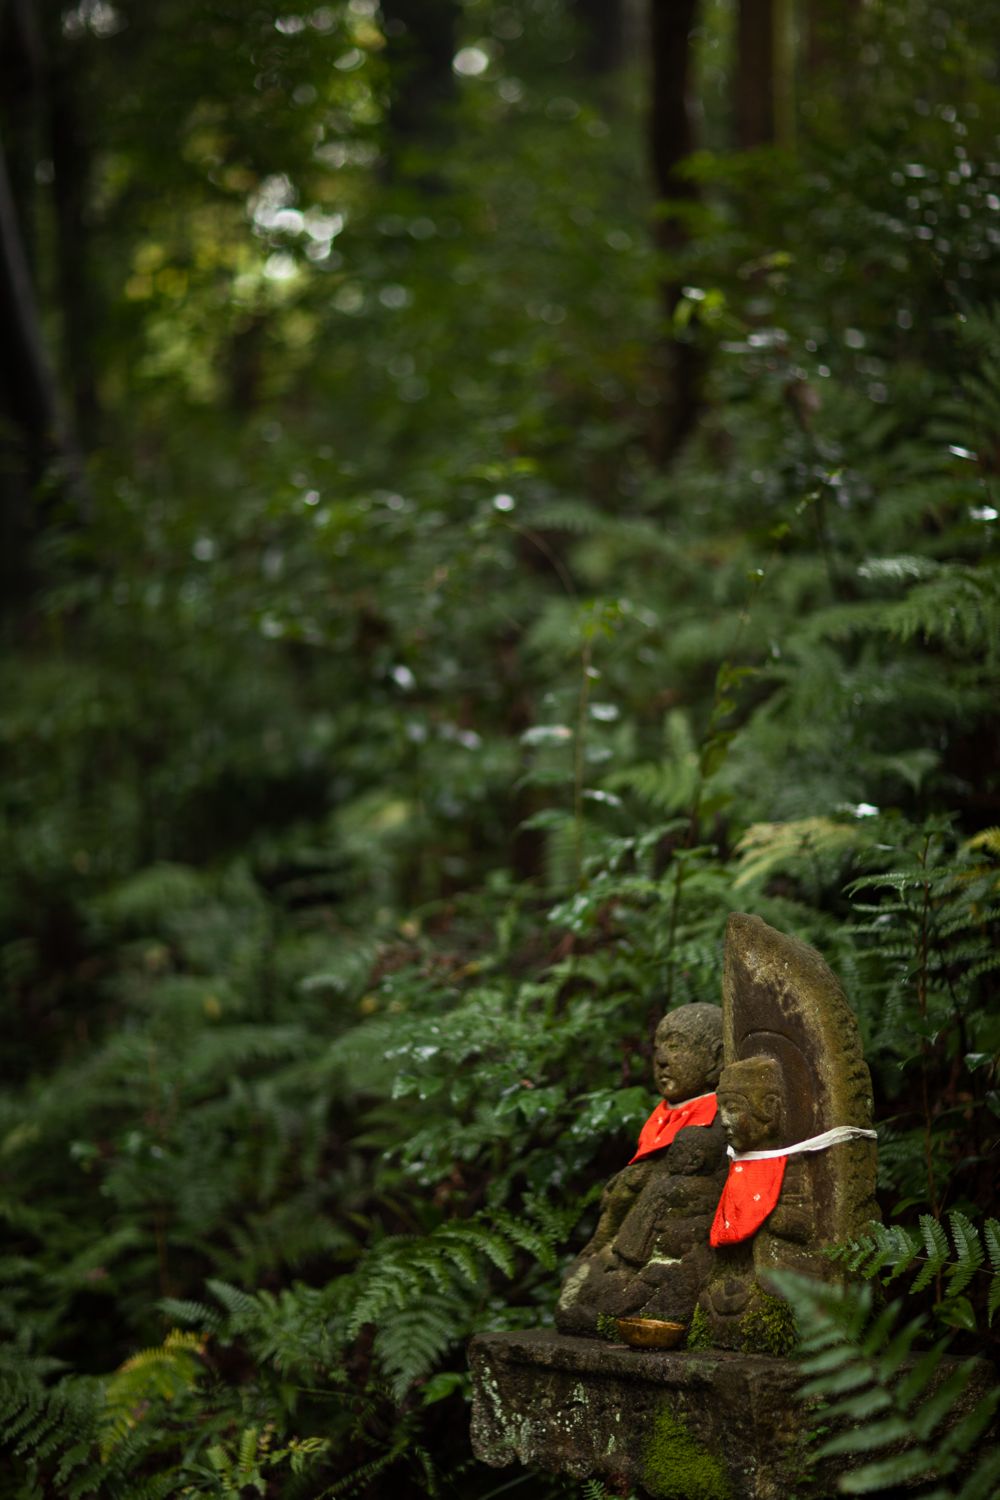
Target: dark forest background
x,y
489,488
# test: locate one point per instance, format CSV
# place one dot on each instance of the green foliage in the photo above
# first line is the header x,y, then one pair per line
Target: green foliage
x,y
156,1375
876,1391
391,737
892,1250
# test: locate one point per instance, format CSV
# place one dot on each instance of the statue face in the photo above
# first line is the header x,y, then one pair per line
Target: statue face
x,y
683,1067
749,1119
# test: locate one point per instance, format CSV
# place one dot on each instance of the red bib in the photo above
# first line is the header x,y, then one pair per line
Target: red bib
x,y
750,1193
667,1119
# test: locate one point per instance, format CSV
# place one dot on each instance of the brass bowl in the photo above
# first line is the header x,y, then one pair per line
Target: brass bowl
x,y
649,1333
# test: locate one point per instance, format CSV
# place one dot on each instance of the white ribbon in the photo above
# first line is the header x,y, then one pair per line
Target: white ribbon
x,y
814,1143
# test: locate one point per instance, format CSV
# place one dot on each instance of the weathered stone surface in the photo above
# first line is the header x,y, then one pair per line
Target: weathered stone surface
x,y
707,1425
782,1000
794,1069
719,1421
695,1425
649,1254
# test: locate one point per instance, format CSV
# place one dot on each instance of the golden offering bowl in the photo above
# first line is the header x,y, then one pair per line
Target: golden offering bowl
x,y
649,1333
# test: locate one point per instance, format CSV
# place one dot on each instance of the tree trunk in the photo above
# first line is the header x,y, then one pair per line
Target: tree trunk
x,y
21,59
603,25
830,32
78,305
29,421
671,140
764,82
753,84
33,432
421,40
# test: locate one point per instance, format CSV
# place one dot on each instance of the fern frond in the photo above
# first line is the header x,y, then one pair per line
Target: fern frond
x,y
991,1234
528,1238
936,1245
161,1373
411,1341
890,1250
198,1314
863,1374
987,839
243,1309
969,1253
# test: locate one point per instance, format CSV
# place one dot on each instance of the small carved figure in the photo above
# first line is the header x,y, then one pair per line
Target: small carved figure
x,y
649,1253
752,1107
753,1110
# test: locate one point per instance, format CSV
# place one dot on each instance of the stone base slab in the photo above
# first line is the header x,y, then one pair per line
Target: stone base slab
x,y
695,1425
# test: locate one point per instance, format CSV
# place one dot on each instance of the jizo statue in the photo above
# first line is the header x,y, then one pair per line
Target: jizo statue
x,y
744,1168
649,1254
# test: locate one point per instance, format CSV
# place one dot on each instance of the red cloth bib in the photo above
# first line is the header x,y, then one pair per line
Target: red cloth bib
x,y
667,1119
750,1193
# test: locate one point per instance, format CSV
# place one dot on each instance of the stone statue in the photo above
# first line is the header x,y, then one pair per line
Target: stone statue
x,y
649,1254
795,1102
687,1236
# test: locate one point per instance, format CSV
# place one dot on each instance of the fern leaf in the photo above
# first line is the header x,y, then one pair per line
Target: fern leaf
x,y
886,1403
593,1489
984,1482
247,1454
73,1457
991,1234
850,1378
411,1342
160,1373
916,1380
389,1286
854,1408
936,1245
198,1314
885,1474
987,839
866,1438
240,1305
968,1249
939,1405
529,1238
492,1246
462,1257
879,1330
906,1248
966,1433
832,1358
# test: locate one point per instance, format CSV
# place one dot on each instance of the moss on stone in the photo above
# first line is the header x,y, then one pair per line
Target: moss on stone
x,y
768,1326
700,1332
607,1327
675,1466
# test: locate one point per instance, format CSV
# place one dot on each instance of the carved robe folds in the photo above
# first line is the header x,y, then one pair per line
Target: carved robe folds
x,y
649,1255
794,1086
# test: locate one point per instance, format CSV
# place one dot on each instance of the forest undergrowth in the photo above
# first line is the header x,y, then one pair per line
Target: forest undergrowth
x,y
385,752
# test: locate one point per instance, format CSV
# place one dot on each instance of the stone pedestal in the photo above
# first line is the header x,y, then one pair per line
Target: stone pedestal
x,y
698,1425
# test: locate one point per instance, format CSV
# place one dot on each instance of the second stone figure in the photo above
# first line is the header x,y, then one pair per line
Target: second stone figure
x,y
649,1254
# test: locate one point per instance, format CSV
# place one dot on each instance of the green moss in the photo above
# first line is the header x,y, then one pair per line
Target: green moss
x,y
677,1467
607,1327
768,1326
700,1331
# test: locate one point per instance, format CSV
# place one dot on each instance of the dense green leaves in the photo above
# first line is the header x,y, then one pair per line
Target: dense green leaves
x,y
391,737
874,1394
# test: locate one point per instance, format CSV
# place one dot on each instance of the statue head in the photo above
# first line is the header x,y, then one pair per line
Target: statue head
x,y
752,1103
687,1052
